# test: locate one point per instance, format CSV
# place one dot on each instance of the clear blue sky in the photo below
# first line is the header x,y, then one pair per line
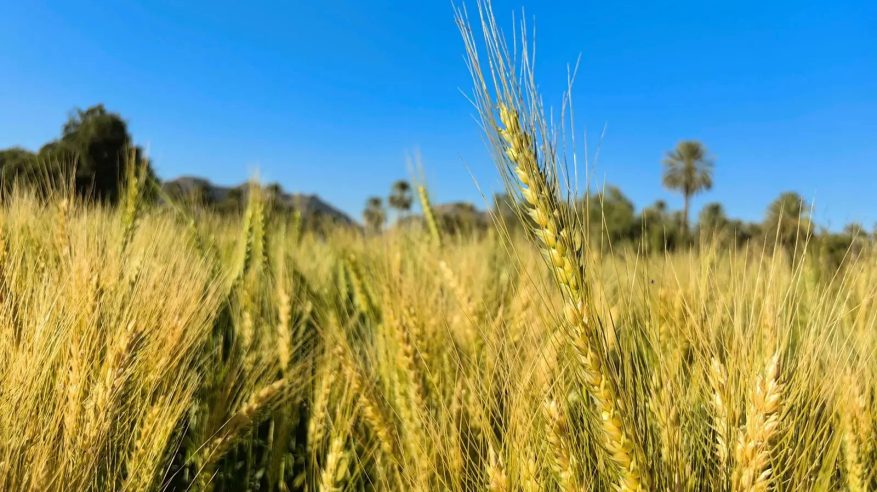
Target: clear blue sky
x,y
328,97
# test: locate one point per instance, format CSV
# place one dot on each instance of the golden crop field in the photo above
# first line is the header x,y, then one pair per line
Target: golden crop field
x,y
160,347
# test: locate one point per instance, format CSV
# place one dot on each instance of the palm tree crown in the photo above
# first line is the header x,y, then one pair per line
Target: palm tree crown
x,y
689,169
400,196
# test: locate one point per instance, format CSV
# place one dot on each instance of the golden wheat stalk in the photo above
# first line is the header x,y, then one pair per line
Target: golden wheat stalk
x,y
320,406
62,229
856,427
752,453
363,297
718,380
497,480
145,456
284,320
410,396
429,215
105,394
335,468
562,248
852,457
373,415
135,173
563,461
234,429
73,393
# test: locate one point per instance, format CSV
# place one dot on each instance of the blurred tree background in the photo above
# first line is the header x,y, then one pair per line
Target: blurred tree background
x,y
91,153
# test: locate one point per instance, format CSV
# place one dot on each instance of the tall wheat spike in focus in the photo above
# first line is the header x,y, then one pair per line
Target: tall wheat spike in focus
x,y
762,420
564,254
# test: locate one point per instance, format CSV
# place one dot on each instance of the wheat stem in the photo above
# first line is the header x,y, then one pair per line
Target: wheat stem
x,y
563,250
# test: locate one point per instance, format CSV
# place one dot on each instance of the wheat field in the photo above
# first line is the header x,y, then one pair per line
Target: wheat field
x,y
155,347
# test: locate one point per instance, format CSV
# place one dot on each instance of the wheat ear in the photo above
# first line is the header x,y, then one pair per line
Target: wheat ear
x,y
564,253
718,380
856,429
854,471
497,480
429,215
563,462
320,406
335,468
752,454
284,336
244,419
135,173
371,412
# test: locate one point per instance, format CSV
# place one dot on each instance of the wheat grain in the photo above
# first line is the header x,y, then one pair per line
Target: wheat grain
x,y
752,452
563,251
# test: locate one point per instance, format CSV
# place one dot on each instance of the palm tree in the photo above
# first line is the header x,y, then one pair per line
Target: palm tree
x,y
400,197
374,214
689,169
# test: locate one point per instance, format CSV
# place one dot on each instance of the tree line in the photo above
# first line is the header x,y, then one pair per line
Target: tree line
x,y
95,145
613,220
91,155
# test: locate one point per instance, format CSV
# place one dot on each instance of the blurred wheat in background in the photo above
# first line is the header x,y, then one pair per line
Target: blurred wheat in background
x,y
156,346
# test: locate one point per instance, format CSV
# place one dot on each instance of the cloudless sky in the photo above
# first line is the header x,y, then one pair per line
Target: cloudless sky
x,y
328,97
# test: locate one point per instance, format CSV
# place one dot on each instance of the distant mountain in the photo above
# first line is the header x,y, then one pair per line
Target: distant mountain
x,y
462,212
310,206
452,217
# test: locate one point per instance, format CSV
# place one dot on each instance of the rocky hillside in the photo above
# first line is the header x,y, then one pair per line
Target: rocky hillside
x,y
199,189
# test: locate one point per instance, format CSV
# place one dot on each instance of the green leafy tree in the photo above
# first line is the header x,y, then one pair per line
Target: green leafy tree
x,y
657,210
98,139
612,215
94,143
374,214
712,221
689,170
857,236
273,191
460,218
193,192
836,249
504,211
16,164
714,225
401,197
660,229
789,218
233,202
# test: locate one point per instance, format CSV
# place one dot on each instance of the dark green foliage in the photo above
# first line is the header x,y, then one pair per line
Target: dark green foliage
x,y
374,214
460,218
15,161
659,228
715,227
836,249
712,219
97,141
611,215
92,153
400,196
504,210
787,222
195,194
